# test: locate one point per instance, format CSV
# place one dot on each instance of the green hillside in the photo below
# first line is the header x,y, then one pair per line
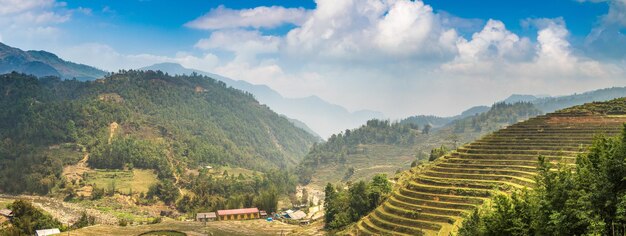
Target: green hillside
x,y
136,119
387,147
436,197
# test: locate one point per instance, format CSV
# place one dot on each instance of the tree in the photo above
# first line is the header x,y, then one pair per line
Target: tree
x,y
359,201
426,129
329,198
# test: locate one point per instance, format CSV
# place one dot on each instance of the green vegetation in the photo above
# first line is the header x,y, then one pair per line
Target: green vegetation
x,y
122,181
433,198
500,113
209,193
389,147
339,147
166,123
343,207
27,218
588,199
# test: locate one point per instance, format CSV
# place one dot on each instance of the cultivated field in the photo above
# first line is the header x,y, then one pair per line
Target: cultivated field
x,y
438,196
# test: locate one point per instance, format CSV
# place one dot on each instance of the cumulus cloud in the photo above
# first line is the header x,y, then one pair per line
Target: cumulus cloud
x,y
372,31
606,39
259,17
385,53
24,21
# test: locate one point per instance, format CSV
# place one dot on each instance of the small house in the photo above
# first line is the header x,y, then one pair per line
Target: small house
x,y
263,214
46,232
238,214
204,217
297,215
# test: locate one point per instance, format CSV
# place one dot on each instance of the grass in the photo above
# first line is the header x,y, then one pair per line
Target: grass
x,y
123,181
216,228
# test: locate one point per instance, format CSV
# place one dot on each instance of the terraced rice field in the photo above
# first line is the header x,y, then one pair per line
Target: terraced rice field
x,y
438,196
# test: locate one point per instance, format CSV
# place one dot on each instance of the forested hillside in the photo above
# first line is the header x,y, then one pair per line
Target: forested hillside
x,y
136,119
382,146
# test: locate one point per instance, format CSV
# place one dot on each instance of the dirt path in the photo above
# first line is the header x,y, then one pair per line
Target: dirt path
x,y
112,128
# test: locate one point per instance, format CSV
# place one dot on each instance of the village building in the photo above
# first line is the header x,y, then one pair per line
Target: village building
x,y
297,215
263,214
204,217
46,232
238,214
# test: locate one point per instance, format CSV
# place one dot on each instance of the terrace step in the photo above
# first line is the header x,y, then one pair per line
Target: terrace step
x,y
499,162
523,147
527,152
529,168
401,220
395,228
417,194
509,157
412,185
523,174
503,178
440,204
454,183
410,214
426,209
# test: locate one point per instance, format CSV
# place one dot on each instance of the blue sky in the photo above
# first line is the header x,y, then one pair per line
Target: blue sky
x,y
401,57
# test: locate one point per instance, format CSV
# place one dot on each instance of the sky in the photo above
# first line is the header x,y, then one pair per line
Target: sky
x,y
400,57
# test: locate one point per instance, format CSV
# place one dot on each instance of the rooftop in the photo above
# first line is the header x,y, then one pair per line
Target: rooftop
x,y
206,215
237,211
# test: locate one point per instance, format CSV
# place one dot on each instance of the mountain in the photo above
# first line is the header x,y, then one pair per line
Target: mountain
x,y
147,120
438,122
386,147
42,63
550,104
434,198
520,98
321,116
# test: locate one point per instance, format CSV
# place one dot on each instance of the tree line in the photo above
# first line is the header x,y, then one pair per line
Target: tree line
x,y
588,199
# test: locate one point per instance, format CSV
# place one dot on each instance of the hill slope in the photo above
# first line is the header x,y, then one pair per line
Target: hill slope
x,y
437,196
42,63
321,116
141,119
386,147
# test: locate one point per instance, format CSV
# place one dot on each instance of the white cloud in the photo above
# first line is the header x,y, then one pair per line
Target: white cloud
x,y
259,17
371,30
387,52
25,22
8,7
105,57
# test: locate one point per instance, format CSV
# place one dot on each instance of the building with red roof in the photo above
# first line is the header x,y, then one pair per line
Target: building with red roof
x,y
238,214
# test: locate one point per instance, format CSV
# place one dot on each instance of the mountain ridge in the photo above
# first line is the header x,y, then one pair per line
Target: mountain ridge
x,y
321,116
43,63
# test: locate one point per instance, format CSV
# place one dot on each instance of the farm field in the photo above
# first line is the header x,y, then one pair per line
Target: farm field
x,y
437,197
123,181
217,228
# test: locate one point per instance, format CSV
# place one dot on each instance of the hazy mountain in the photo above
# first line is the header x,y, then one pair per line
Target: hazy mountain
x,y
321,116
550,104
520,98
438,122
42,63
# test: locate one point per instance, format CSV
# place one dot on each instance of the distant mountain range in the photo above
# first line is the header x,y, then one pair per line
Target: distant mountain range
x,y
42,63
550,104
322,117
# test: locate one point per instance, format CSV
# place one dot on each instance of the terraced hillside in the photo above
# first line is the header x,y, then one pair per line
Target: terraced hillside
x,y
438,195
